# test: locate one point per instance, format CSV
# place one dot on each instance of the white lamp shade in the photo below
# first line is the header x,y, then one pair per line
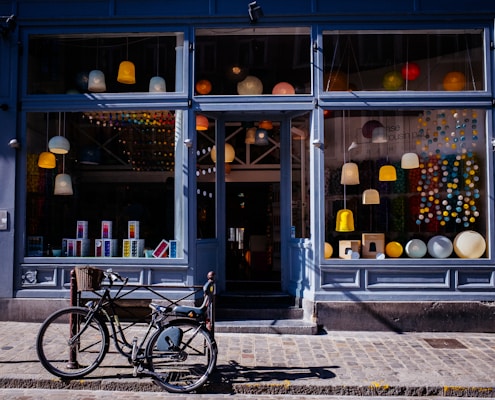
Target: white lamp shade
x,y
59,145
96,81
409,161
350,174
229,153
371,196
378,135
63,185
157,84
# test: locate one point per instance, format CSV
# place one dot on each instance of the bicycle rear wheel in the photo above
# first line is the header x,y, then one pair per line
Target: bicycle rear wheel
x,y
184,365
71,346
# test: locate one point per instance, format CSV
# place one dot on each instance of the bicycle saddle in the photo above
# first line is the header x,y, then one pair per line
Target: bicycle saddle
x,y
191,312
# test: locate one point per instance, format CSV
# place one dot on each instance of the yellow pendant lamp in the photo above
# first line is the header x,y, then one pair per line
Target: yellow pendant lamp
x,y
47,159
127,70
345,221
387,173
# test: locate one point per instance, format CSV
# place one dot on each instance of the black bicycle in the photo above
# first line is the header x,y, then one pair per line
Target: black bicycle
x,y
177,350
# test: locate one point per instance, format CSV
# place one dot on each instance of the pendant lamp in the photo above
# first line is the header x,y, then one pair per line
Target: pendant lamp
x,y
250,135
47,159
96,78
229,153
345,221
127,70
59,144
268,125
371,196
63,185
350,174
378,135
409,161
201,122
157,83
387,173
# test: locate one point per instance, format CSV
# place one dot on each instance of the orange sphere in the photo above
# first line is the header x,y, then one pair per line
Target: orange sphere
x,y
283,88
454,81
203,86
335,81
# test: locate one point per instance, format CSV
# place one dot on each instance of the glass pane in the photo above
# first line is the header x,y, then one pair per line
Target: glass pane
x,y
443,195
406,60
120,168
82,64
300,177
252,61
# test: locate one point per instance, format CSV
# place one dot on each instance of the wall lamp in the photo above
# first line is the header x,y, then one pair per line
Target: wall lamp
x,y
7,24
14,144
255,12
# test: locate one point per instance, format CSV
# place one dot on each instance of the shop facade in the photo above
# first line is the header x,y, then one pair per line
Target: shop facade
x,y
343,158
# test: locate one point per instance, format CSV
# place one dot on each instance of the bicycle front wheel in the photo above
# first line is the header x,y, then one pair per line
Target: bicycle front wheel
x,y
71,344
182,360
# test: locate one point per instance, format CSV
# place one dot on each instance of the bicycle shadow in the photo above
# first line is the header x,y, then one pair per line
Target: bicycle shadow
x,y
225,377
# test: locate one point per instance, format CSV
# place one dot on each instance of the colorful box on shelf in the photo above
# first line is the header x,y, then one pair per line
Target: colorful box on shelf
x,y
35,246
76,247
82,230
161,249
172,249
133,248
373,244
106,229
133,230
106,247
349,249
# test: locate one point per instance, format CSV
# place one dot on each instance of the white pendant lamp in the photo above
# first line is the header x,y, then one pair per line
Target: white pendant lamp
x,y
350,174
96,81
63,185
59,144
409,161
378,135
371,196
157,83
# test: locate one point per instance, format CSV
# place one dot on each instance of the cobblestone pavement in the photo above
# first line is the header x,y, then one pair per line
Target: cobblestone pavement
x,y
335,363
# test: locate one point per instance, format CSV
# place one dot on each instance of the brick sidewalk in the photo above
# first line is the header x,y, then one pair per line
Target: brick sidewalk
x,y
338,363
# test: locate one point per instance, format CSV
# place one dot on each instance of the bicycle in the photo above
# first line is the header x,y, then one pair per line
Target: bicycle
x,y
178,351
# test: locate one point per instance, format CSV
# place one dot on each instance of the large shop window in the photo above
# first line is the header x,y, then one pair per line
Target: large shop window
x,y
406,184
253,61
102,184
437,60
72,64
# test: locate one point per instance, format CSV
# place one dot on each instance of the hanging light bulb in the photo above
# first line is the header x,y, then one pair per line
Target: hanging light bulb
x,y
387,173
409,161
350,174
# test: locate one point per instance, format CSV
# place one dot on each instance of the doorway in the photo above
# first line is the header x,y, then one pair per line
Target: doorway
x,y
253,236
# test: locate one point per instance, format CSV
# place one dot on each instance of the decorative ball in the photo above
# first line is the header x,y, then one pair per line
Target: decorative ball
x,y
454,81
203,86
440,247
393,249
283,88
410,71
328,250
392,80
469,244
335,81
369,127
250,86
416,248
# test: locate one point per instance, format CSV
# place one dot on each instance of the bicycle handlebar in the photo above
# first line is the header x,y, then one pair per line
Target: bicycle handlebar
x,y
114,276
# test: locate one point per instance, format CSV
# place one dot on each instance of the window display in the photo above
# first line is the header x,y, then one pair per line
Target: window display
x,y
119,196
434,193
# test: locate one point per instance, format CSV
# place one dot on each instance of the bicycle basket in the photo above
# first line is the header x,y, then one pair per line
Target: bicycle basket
x,y
88,278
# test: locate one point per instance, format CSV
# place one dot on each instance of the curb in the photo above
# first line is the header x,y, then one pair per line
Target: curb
x,y
275,388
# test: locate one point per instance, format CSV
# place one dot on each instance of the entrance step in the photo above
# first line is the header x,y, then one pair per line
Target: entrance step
x,y
262,312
